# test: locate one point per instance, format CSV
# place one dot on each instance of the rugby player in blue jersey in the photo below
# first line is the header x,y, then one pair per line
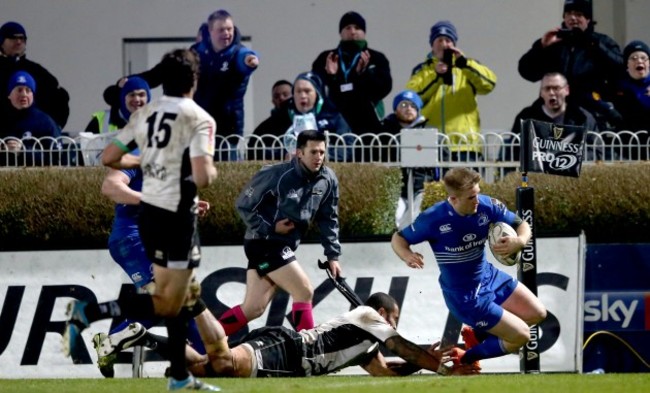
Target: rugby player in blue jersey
x,y
492,303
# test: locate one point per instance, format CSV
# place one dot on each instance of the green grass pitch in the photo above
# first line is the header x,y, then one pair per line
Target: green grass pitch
x,y
487,383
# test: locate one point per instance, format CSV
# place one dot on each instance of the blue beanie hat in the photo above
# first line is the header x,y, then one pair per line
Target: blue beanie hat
x,y
313,79
132,83
408,95
443,27
11,29
21,78
635,46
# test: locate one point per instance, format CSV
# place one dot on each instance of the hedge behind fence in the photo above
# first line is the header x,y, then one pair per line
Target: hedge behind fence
x,y
62,208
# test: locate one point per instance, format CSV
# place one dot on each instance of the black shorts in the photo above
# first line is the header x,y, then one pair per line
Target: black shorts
x,y
266,256
277,350
170,239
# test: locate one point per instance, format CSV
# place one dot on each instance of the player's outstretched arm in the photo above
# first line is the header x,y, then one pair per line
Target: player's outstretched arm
x,y
412,353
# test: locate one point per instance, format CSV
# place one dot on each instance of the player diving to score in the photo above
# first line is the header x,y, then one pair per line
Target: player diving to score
x,y
495,305
350,339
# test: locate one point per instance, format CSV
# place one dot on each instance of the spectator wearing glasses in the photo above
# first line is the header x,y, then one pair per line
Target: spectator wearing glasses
x,y
552,106
633,95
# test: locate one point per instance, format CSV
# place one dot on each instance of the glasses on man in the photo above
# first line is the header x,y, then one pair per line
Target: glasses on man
x,y
640,58
554,89
407,104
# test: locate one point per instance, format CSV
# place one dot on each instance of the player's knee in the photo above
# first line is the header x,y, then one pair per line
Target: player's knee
x,y
253,310
305,294
541,316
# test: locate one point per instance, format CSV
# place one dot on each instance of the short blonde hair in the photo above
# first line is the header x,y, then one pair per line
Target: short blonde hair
x,y
460,179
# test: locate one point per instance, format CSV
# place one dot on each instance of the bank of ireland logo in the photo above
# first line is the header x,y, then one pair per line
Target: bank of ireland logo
x,y
563,161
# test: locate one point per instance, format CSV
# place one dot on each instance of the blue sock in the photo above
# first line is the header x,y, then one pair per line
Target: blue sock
x,y
490,348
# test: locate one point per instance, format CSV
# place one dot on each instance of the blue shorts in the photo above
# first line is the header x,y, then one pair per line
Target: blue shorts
x,y
482,309
128,252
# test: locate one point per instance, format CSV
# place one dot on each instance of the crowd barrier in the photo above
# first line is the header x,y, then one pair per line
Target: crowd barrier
x,y
497,150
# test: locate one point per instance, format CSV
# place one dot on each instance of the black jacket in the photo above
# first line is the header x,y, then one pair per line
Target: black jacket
x,y
590,61
359,104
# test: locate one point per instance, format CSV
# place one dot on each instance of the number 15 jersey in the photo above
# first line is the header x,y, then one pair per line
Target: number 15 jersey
x,y
169,132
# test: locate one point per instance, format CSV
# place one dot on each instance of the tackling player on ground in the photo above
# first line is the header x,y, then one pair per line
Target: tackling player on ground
x,y
350,339
494,304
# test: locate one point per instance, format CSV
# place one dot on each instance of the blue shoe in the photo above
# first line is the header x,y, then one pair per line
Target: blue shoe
x,y
191,383
76,322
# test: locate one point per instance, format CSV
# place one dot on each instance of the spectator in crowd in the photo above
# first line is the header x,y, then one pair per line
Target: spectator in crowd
x,y
278,205
590,61
269,148
52,98
633,98
448,83
226,67
407,106
133,95
356,77
552,106
31,129
351,339
310,109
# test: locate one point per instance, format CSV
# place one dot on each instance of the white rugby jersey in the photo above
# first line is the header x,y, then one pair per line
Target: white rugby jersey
x,y
169,131
345,341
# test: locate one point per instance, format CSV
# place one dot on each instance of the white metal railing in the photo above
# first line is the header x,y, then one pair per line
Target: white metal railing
x,y
498,149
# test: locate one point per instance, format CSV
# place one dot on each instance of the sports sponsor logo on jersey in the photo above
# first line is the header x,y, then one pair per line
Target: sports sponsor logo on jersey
x,y
287,253
469,237
249,192
444,228
481,324
292,194
224,66
322,123
317,191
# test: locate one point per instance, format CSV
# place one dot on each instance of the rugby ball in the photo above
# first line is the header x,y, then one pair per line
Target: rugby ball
x,y
497,231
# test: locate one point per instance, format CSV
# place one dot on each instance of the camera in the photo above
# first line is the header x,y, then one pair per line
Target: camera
x,y
566,33
448,58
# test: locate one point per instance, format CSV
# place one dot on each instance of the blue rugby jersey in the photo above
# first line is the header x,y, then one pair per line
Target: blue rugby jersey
x,y
458,242
126,216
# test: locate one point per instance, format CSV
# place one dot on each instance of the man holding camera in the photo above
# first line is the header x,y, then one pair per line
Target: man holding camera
x,y
448,82
590,61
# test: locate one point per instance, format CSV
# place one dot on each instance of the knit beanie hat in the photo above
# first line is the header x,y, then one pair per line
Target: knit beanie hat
x,y
11,29
313,79
21,78
444,27
583,6
408,95
132,83
352,18
635,46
